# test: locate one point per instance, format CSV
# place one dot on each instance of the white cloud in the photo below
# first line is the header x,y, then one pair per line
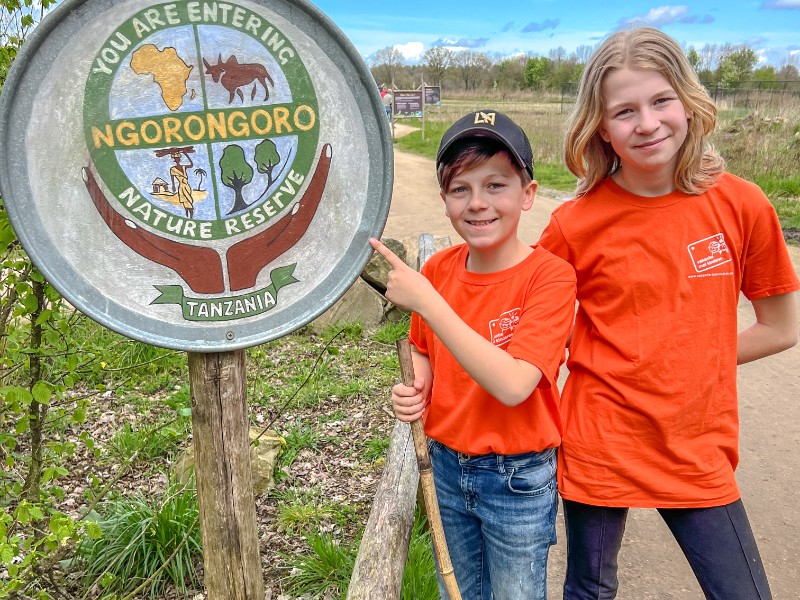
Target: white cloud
x,y
659,16
411,50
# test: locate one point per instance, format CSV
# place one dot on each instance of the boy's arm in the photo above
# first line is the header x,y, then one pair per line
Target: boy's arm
x,y
775,329
509,380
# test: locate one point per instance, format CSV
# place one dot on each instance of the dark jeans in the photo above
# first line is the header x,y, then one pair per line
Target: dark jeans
x,y
717,542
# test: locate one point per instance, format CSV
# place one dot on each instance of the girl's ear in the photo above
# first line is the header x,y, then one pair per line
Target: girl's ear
x,y
603,134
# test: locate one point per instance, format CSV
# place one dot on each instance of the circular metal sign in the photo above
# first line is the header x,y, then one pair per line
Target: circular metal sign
x,y
201,176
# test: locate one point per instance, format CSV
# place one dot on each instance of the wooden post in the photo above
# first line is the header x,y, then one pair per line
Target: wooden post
x,y
232,564
381,560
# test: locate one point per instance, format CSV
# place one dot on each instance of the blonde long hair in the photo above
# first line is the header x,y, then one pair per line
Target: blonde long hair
x,y
591,159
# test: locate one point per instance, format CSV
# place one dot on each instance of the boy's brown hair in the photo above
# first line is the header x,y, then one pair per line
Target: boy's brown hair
x,y
468,153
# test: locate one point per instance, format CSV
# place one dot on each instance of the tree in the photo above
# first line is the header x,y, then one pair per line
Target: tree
x,y
557,54
201,174
788,72
236,173
38,364
584,53
266,159
435,62
17,20
693,57
470,65
536,71
510,73
736,65
386,64
708,58
564,71
766,77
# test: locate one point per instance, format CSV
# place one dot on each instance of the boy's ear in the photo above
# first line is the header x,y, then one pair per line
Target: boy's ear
x,y
529,193
444,199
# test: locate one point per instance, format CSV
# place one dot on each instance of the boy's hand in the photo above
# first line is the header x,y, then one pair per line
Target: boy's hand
x,y
406,288
409,402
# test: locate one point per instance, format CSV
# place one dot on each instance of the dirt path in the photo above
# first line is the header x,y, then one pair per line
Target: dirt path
x,y
651,564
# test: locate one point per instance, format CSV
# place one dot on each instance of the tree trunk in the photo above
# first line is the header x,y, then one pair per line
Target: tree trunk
x,y
37,412
224,480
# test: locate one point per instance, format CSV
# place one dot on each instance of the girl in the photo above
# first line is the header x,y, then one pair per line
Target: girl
x,y
662,241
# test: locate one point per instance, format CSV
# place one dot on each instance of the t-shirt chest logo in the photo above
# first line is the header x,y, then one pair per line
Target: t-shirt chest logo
x,y
709,253
501,329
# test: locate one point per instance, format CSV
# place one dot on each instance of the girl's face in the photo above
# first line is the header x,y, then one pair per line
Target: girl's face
x,y
646,124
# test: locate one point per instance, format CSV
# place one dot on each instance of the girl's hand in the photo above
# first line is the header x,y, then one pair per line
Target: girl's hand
x,y
409,402
405,288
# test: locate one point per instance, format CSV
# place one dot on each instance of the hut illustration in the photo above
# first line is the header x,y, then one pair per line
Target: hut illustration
x,y
160,186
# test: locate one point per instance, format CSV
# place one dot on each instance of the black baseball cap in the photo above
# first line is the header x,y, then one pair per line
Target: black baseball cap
x,y
494,124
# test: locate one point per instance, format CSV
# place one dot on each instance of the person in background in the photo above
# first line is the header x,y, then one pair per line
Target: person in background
x,y
388,99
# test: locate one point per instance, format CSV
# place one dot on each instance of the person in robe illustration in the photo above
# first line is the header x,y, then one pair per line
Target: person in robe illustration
x,y
179,177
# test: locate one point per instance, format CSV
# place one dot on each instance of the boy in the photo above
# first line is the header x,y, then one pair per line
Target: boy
x,y
489,324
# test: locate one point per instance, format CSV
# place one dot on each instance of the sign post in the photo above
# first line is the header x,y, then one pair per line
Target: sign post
x,y
220,425
217,172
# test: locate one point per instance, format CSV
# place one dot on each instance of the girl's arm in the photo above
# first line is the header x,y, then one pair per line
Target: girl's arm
x,y
509,380
775,329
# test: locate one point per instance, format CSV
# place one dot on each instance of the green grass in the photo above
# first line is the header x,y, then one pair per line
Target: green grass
x,y
419,577
788,210
323,571
307,510
298,438
376,448
138,535
389,333
763,147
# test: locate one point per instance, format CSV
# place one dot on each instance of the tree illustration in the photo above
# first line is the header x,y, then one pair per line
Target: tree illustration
x,y
201,174
266,159
236,173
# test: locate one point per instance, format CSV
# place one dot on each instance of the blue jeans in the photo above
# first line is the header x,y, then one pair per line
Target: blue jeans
x,y
717,542
499,514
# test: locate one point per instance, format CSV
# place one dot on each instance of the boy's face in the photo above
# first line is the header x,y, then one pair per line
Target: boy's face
x,y
484,205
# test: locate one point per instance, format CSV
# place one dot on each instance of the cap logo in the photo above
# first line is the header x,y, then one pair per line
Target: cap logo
x,y
482,118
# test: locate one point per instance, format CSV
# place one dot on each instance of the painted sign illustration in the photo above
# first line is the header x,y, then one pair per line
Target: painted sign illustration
x,y
208,153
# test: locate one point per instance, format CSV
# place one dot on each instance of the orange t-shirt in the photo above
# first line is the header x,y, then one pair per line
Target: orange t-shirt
x,y
528,311
650,404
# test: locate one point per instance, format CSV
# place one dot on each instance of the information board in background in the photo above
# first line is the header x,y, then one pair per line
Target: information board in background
x,y
408,103
433,95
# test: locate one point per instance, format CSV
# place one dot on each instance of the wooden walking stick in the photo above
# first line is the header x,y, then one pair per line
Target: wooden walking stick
x,y
426,479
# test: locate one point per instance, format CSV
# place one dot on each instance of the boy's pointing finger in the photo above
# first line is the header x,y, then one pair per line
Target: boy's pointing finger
x,y
392,258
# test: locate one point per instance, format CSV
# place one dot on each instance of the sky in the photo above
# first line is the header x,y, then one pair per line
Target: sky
x,y
503,28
